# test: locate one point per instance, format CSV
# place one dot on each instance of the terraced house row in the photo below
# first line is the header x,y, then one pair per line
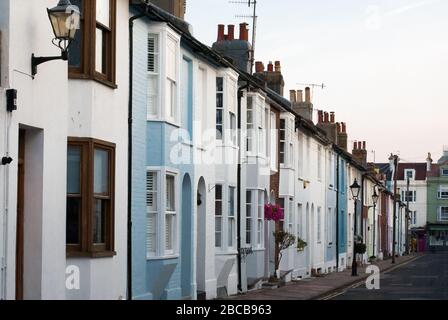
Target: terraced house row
x,y
141,163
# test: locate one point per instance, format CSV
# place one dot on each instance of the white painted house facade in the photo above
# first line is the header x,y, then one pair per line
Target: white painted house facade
x,y
69,122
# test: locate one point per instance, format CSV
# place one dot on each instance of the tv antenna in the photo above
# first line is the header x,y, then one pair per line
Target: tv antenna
x,y
313,86
254,17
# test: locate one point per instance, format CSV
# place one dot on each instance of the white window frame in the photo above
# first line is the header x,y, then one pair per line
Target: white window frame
x,y
172,85
220,218
155,74
249,216
442,193
260,219
442,170
152,252
273,141
233,129
221,109
282,146
250,125
319,163
291,216
171,213
406,171
441,209
160,228
231,219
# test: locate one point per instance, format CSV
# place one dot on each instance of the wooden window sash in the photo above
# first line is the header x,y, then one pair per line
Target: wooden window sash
x,y
87,70
88,248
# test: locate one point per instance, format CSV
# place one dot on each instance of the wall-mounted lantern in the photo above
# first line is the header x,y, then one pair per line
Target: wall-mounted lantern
x,y
65,19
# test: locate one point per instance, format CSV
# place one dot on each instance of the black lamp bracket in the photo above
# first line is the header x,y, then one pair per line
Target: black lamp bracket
x,y
35,61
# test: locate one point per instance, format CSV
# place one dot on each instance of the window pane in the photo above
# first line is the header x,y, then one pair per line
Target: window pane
x,y
219,84
231,202
151,191
151,234
74,58
230,232
101,171
74,170
170,194
73,220
103,12
169,236
99,52
99,221
218,232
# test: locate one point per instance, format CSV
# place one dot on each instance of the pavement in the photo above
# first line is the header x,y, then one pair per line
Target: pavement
x,y
422,279
325,287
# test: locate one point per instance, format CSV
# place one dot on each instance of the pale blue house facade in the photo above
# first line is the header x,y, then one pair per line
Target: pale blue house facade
x,y
162,167
342,212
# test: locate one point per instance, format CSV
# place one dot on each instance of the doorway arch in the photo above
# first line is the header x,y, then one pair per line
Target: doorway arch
x,y
187,239
201,216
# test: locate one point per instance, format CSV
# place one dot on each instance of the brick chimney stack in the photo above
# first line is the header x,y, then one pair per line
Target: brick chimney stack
x,y
342,136
238,51
328,124
304,107
360,152
273,77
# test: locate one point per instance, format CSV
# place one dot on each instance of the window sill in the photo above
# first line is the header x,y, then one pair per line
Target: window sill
x,y
92,255
170,257
226,253
77,76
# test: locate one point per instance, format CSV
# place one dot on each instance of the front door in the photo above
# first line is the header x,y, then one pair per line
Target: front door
x,y
20,216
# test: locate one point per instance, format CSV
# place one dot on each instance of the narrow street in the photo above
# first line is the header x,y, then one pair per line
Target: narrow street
x,y
421,279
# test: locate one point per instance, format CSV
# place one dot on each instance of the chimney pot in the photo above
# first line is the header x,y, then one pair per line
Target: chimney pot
x,y
231,32
320,116
221,36
244,32
299,96
355,145
359,145
338,127
364,145
278,67
326,117
308,95
344,127
292,96
259,66
332,117
270,67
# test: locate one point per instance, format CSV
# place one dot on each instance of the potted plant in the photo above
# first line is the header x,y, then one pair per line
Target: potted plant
x,y
301,245
283,241
360,248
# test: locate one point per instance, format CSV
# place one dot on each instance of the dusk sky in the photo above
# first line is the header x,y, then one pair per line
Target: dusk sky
x,y
384,62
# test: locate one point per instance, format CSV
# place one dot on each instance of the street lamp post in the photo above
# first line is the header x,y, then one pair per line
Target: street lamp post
x,y
407,216
375,198
355,189
393,161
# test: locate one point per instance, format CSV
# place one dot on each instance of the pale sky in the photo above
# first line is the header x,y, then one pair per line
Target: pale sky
x,y
384,62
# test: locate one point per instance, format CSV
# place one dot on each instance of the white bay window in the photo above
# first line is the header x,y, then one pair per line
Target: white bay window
x,y
161,213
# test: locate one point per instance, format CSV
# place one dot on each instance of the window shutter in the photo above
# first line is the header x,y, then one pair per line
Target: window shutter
x,y
151,223
168,231
151,191
153,50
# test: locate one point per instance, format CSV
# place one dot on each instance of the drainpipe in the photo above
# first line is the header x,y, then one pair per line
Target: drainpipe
x,y
337,211
238,213
130,149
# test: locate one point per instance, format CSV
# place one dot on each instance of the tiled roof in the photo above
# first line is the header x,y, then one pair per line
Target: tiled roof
x,y
420,170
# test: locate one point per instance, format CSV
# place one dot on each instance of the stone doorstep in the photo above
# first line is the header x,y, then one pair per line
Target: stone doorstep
x,y
360,279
